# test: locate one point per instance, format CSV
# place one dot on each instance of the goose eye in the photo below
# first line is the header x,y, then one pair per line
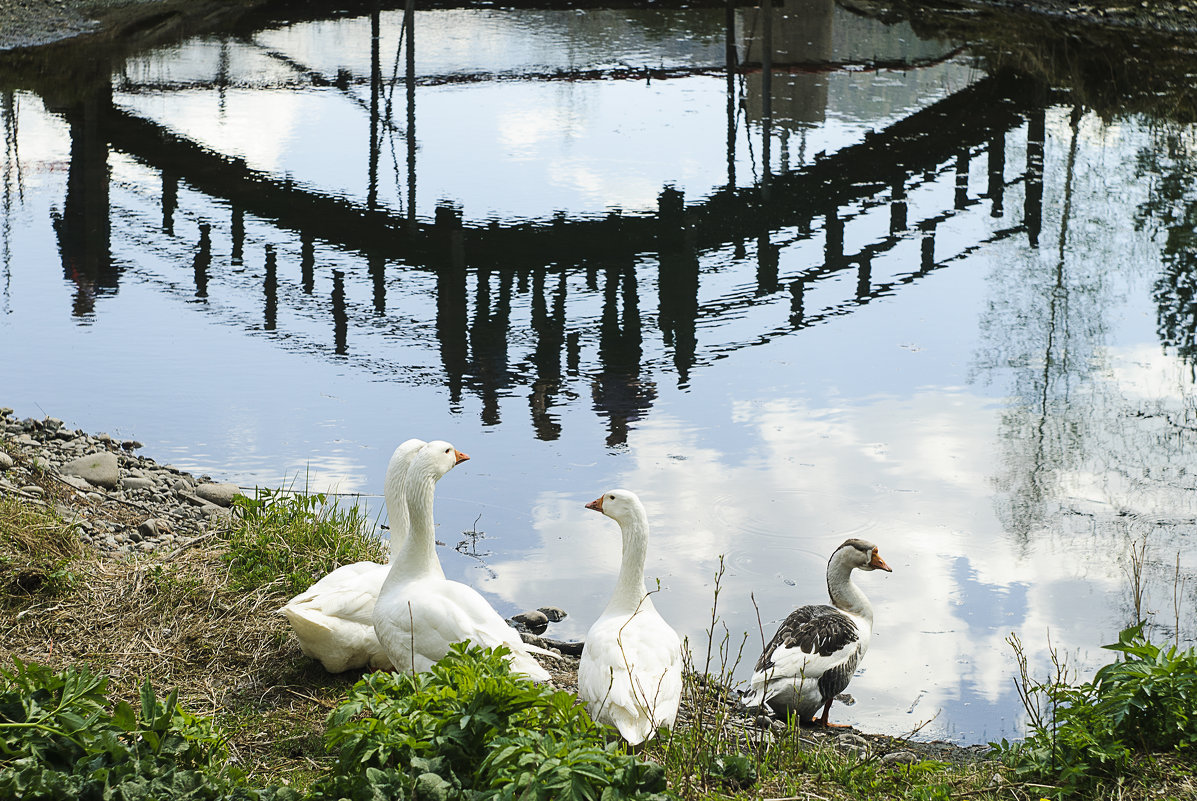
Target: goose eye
x,y
610,497
447,450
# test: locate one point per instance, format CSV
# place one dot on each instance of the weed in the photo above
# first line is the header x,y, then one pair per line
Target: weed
x,y
1083,737
293,539
470,728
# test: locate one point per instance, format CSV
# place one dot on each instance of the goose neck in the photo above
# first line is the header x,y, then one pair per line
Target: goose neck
x,y
418,555
397,518
844,593
629,587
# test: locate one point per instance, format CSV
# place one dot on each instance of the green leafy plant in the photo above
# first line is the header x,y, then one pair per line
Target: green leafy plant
x,y
470,728
294,538
1083,735
59,740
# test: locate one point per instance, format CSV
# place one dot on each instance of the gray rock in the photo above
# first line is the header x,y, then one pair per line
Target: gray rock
x,y
153,528
219,494
32,491
98,468
553,613
852,741
136,483
5,461
534,621
899,758
131,444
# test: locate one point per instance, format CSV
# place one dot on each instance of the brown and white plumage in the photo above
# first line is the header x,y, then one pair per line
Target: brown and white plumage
x,y
630,676
333,618
816,650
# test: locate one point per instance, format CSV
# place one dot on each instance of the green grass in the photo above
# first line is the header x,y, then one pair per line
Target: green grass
x,y
293,539
37,550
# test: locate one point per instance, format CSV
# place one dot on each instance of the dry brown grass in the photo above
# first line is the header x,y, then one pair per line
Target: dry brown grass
x,y
171,618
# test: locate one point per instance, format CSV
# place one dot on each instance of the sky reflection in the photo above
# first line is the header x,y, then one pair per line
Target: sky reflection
x,y
964,368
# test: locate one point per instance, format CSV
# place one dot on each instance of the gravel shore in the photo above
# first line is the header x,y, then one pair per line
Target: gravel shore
x,y
118,501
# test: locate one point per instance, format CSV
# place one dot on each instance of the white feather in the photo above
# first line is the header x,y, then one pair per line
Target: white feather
x,y
333,618
630,676
420,613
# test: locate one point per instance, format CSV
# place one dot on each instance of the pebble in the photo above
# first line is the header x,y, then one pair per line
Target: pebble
x,y
101,507
899,758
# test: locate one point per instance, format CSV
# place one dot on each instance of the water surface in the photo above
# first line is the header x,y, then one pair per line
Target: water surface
x,y
900,295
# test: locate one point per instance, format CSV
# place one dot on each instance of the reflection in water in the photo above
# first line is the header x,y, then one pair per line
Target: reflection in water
x,y
83,227
203,260
772,348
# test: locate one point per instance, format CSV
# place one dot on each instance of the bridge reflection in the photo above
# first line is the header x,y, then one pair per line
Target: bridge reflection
x,y
478,268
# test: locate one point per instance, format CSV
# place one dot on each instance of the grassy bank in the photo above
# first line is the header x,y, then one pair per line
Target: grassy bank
x,y
182,649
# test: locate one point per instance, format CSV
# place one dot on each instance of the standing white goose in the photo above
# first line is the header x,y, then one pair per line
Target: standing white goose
x,y
420,613
630,676
333,618
812,657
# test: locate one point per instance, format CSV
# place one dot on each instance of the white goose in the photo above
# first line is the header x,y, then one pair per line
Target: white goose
x,y
333,618
814,653
420,613
630,676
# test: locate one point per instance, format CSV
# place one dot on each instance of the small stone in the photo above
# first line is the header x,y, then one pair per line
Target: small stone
x,y
131,444
98,468
136,483
33,491
182,485
852,741
534,621
52,424
5,461
899,758
153,528
219,494
553,613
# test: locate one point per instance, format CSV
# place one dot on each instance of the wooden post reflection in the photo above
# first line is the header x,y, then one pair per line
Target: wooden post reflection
x,y
340,318
375,96
270,287
409,26
962,160
731,59
84,228
170,201
203,260
997,173
451,311
307,262
1033,203
897,207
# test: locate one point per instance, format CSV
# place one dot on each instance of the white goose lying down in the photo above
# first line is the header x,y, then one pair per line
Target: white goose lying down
x,y
420,613
630,676
333,618
814,653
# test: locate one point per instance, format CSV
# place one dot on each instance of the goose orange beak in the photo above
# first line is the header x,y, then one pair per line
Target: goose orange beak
x,y
596,504
461,457
877,563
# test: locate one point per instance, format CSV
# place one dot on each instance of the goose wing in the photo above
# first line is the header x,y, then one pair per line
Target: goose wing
x,y
817,644
429,616
630,675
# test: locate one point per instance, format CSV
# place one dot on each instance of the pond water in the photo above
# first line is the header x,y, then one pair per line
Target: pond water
x,y
877,288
